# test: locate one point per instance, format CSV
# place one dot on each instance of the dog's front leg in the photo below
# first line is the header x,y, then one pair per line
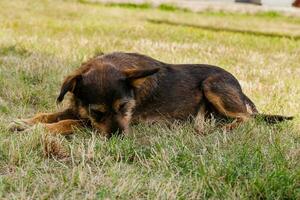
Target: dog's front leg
x,y
51,117
23,124
64,127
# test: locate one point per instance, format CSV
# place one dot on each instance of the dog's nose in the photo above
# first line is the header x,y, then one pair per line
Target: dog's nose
x,y
116,131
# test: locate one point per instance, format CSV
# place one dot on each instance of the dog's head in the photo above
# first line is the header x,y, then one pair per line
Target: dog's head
x,y
107,95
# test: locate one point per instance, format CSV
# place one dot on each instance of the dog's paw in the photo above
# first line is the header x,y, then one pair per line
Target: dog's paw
x,y
18,125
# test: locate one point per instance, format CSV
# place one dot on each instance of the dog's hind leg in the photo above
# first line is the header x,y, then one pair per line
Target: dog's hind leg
x,y
226,96
200,119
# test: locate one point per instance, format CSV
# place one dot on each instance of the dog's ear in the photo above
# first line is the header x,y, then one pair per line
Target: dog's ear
x,y
137,77
68,85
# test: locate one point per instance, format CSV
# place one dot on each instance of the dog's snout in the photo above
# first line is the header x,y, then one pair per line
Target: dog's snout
x,y
116,131
116,128
109,127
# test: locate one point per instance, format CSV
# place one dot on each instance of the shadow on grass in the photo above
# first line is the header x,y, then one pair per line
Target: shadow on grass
x,y
223,29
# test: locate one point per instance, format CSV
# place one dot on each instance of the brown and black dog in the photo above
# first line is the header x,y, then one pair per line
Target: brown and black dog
x,y
111,91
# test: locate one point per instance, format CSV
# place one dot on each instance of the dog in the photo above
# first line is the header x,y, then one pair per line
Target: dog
x,y
112,91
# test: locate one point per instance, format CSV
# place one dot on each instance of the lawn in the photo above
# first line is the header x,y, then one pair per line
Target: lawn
x,y
42,41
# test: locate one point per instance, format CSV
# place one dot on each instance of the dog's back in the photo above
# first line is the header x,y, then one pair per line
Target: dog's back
x,y
175,92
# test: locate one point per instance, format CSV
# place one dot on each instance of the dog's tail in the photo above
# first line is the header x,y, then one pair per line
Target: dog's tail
x,y
272,119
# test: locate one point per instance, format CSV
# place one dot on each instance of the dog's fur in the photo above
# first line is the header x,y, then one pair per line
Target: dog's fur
x,y
111,91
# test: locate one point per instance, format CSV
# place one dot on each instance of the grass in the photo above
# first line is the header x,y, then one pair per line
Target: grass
x,y
146,5
42,41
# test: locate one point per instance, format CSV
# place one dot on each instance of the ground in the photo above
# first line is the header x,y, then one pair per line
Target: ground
x,y
42,41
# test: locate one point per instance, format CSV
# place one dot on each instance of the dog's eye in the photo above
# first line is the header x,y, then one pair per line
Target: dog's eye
x,y
122,107
97,114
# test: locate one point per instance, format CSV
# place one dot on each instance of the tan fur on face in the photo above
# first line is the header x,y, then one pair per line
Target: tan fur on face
x,y
129,104
83,113
123,119
101,128
99,107
117,104
126,118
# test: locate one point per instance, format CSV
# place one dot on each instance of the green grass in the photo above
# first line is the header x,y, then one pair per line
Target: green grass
x,y
162,6
42,41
